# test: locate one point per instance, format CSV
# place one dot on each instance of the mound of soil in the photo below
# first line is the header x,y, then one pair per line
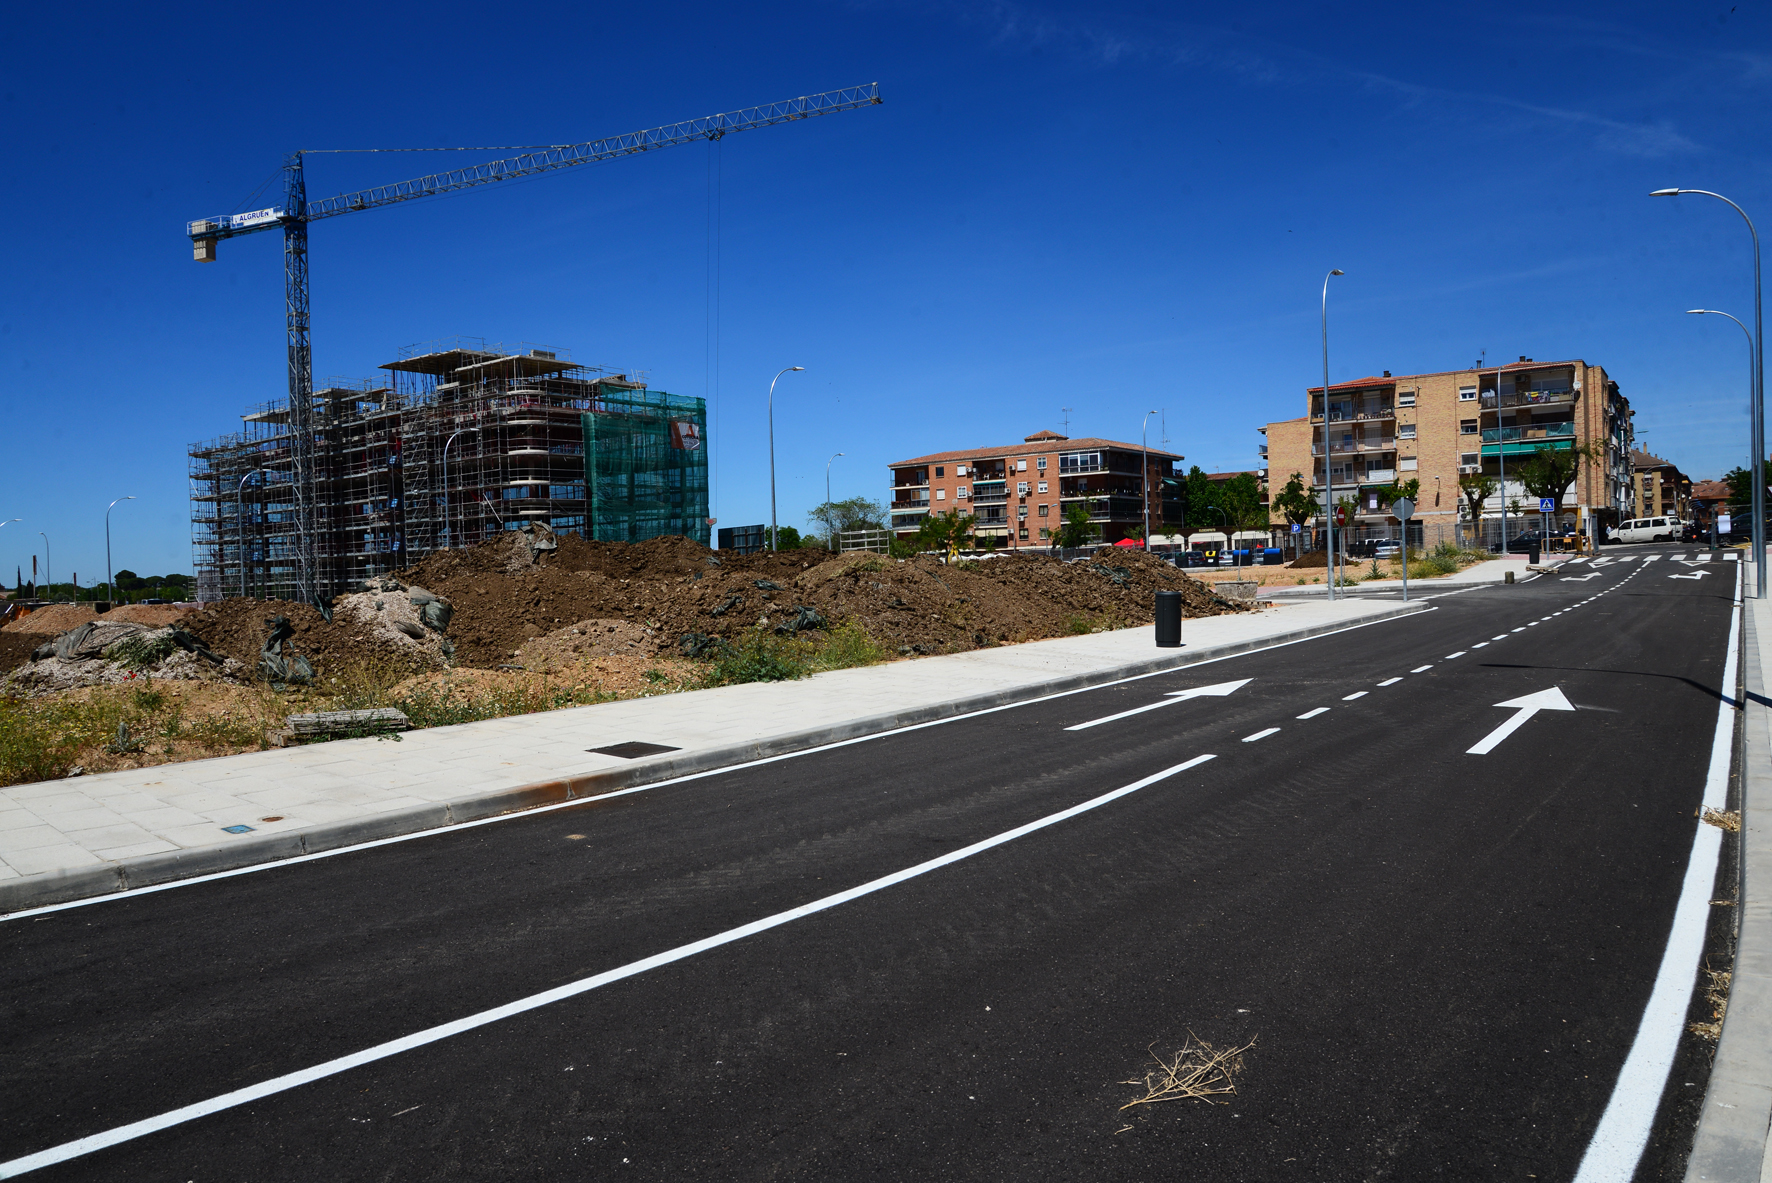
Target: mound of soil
x,y
236,628
1311,558
59,618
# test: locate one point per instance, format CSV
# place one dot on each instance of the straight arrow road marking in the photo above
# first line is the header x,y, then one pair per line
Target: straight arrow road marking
x,y
1579,578
1216,691
1527,706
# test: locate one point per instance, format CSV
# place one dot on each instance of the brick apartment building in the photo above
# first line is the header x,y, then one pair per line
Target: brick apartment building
x,y
1433,427
1020,493
1659,488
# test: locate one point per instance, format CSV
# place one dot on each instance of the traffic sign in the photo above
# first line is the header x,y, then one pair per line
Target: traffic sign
x,y
1402,509
1296,527
1547,505
1340,516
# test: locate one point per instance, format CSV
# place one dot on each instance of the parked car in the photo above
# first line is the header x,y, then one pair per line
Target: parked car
x,y
1522,543
1386,548
1649,530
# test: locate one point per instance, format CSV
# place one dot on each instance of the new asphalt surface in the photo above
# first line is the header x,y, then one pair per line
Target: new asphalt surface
x,y
1441,958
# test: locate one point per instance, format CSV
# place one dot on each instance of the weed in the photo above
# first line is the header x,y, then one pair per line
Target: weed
x,y
847,646
142,650
761,656
1078,626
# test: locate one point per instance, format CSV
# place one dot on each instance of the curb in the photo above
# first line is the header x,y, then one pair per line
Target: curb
x,y
1730,1141
58,887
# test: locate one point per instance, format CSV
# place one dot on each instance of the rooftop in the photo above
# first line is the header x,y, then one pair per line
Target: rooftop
x,y
1525,363
1048,439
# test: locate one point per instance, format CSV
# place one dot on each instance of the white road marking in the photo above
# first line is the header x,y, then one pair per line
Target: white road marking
x,y
1218,690
1450,656
1263,734
1311,714
1690,575
1731,557
1499,637
1529,705
1354,695
1532,624
1623,1131
1703,558
1521,629
1479,645
1390,681
1422,669
279,1084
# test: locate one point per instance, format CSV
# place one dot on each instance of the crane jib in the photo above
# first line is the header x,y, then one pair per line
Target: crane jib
x,y
711,127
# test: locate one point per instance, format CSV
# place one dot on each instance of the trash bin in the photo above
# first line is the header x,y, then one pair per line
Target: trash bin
x,y
1168,620
1532,556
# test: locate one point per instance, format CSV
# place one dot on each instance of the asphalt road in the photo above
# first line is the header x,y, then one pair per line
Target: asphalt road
x,y
1442,958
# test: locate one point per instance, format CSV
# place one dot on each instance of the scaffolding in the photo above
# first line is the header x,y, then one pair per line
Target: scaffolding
x,y
460,442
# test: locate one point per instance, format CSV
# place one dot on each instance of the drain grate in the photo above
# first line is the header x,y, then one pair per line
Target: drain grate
x,y
634,749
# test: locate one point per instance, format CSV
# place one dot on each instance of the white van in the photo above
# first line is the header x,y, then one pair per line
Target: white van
x,y
1648,530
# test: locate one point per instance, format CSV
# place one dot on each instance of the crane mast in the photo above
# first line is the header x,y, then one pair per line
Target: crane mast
x,y
297,211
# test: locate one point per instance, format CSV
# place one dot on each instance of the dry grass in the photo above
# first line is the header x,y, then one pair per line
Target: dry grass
x,y
1730,820
1716,992
1198,1072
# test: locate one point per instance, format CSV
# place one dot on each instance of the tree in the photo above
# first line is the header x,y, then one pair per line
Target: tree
x,y
787,538
1476,488
948,531
1549,472
854,513
1297,502
1202,501
1741,487
1240,498
1076,530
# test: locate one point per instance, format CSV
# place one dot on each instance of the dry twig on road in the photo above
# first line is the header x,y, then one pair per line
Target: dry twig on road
x,y
1198,1072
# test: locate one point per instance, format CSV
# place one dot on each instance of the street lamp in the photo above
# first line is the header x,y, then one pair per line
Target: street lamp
x,y
1328,448
1757,428
240,525
110,586
772,382
7,523
47,581
828,528
1144,484
448,501
1758,481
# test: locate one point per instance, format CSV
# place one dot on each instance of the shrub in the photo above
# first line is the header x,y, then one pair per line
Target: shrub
x,y
761,656
848,646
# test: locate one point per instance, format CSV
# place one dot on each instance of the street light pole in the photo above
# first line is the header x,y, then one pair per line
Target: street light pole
x,y
1752,356
830,531
1757,429
448,501
7,523
240,525
1328,448
47,581
1144,483
772,382
110,584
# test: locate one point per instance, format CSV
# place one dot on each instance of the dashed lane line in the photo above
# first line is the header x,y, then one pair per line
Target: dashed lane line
x,y
1262,734
1311,714
1354,695
1422,669
1390,681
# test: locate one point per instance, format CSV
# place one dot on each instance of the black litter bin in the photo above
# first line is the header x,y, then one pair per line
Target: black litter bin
x,y
1168,620
1532,556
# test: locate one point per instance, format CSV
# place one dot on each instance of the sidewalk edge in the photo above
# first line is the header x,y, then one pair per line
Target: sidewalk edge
x,y
63,886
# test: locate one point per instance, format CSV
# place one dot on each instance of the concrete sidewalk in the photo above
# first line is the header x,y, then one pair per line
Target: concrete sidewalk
x,y
91,835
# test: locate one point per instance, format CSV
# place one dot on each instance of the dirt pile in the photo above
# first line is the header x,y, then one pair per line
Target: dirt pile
x,y
673,587
19,637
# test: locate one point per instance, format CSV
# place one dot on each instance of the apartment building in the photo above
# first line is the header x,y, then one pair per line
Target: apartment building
x,y
1020,493
1659,488
1434,427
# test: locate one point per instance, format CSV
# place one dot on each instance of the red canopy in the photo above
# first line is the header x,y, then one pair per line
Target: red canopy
x,y
1129,542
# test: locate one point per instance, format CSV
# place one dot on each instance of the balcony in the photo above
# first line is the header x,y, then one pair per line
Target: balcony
x,y
1348,447
1352,416
1525,440
913,503
1527,398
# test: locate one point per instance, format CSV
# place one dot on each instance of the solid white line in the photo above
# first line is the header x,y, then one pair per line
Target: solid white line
x,y
1623,1131
1263,734
1421,669
1354,695
256,868
1311,714
418,1039
1390,681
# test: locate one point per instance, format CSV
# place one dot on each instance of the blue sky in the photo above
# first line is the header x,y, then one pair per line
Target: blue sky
x,y
1111,209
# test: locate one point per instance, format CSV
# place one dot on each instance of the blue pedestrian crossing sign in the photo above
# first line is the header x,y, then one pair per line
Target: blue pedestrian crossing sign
x,y
1547,505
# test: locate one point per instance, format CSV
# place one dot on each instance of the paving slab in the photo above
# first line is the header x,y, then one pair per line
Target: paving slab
x,y
109,832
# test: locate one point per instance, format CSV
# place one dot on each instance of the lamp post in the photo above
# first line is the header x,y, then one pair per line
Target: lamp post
x,y
110,584
828,528
7,523
240,525
1144,483
47,581
1328,448
1752,356
448,501
772,382
1757,428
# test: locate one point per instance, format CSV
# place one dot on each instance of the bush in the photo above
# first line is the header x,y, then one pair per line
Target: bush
x,y
848,646
143,650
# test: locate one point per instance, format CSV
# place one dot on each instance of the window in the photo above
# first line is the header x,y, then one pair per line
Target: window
x,y
941,494
1467,394
938,470
1021,487
1405,398
1021,511
1040,464
1045,512
1467,427
1469,460
1405,431
1022,534
1407,465
1042,486
960,493
1044,532
959,470
1021,466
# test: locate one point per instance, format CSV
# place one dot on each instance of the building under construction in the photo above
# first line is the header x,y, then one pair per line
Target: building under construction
x,y
459,442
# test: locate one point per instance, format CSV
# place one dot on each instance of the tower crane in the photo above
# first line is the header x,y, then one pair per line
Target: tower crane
x,y
297,211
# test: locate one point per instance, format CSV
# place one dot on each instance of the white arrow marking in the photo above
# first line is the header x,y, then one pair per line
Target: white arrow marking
x,y
1691,575
1529,705
1579,578
1175,696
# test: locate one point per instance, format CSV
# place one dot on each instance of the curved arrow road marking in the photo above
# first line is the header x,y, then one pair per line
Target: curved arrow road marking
x,y
1692,575
1529,705
1218,690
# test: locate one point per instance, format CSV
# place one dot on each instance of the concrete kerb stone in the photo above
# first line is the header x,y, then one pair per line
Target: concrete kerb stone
x,y
33,891
1730,1142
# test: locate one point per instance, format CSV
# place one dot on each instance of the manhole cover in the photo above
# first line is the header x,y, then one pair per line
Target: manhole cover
x,y
278,818
634,749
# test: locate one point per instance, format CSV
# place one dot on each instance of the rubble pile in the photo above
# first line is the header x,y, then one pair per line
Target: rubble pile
x,y
102,651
